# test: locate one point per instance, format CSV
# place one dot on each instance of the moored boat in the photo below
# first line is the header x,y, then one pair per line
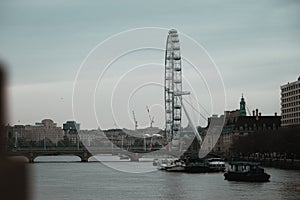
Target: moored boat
x,y
246,171
163,164
196,165
124,157
216,164
176,166
191,165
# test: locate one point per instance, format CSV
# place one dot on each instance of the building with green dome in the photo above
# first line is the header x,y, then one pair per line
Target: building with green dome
x,y
243,107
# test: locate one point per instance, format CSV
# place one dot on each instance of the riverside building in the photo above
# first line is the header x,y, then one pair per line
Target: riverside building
x,y
44,130
238,124
290,103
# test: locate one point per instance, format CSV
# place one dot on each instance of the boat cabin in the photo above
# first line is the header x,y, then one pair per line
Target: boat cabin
x,y
244,167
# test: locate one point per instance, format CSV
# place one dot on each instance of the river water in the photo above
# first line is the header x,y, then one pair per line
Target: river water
x,y
52,179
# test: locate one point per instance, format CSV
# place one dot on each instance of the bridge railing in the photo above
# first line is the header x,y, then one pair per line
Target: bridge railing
x,y
90,149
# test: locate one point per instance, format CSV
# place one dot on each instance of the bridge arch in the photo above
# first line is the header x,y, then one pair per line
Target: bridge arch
x,y
32,155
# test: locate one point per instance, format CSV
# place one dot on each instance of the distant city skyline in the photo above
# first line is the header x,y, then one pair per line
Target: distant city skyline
x,y
256,46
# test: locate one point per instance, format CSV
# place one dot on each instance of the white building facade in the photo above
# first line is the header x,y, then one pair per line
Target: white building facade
x,y
290,103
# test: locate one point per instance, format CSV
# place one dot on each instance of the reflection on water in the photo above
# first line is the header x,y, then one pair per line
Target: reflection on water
x,y
93,181
173,187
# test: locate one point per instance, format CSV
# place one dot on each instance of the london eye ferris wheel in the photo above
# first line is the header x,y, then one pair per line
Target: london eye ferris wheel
x,y
173,86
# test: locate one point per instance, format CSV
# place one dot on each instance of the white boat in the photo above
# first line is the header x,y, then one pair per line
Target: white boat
x,y
170,165
191,165
176,166
124,157
163,164
216,164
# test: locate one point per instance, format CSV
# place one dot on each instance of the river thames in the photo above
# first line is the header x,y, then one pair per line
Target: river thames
x,y
52,178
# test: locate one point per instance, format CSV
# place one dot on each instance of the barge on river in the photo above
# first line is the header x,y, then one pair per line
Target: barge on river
x,y
246,171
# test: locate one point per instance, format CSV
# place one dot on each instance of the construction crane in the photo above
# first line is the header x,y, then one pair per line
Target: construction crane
x,y
135,122
151,119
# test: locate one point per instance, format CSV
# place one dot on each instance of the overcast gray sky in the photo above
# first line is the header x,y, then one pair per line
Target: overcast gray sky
x,y
255,44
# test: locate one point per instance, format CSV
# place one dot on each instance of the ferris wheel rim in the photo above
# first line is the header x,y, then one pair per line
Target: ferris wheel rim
x,y
173,86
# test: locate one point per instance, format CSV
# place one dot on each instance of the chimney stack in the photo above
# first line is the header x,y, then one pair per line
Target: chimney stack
x,y
256,114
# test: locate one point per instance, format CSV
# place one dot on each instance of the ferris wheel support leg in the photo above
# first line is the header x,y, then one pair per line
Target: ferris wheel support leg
x,y
193,127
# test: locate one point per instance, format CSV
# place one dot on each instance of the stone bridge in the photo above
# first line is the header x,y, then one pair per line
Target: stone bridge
x,y
85,154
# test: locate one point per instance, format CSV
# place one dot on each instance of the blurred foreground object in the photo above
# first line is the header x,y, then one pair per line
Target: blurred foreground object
x,y
13,174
